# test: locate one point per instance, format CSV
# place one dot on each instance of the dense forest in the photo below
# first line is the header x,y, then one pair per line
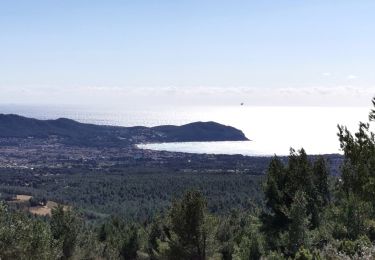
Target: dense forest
x,y
307,213
134,194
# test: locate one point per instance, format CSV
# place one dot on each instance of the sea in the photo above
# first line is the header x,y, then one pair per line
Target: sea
x,y
271,130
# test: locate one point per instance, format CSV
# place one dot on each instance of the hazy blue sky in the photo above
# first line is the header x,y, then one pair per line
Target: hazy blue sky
x,y
314,52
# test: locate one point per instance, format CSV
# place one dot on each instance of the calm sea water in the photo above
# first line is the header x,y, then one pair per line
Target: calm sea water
x,y
272,130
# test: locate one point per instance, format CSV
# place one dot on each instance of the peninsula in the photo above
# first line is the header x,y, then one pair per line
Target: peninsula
x,y
70,132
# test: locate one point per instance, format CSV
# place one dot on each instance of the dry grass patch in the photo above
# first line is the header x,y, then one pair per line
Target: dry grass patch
x,y
39,210
22,198
45,210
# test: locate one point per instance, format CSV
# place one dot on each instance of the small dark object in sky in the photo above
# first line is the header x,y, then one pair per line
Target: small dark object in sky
x,y
241,103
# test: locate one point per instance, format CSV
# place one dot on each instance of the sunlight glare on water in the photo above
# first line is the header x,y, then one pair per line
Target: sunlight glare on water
x,y
273,130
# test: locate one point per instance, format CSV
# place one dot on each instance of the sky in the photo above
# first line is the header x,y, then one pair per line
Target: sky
x,y
216,52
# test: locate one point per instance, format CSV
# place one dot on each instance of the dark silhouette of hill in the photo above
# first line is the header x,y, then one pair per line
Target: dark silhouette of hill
x,y
204,131
75,133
